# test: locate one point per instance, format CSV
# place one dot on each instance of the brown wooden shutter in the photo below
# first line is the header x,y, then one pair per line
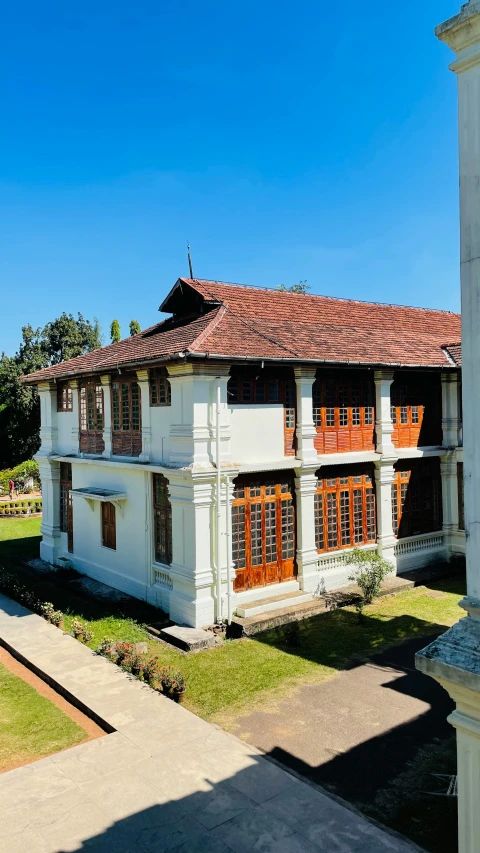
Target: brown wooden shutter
x,y
109,533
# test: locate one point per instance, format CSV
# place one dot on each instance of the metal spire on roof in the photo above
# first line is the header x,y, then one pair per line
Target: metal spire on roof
x,y
189,260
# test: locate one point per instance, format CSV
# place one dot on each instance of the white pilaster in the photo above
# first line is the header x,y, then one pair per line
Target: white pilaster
x,y
144,385
454,659
305,432
386,541
450,410
307,555
448,469
193,429
107,415
47,392
383,418
50,527
76,415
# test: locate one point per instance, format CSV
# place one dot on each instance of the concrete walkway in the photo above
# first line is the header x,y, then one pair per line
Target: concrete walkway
x,y
163,780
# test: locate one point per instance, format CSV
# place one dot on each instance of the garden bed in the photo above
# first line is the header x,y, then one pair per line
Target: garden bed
x,y
20,507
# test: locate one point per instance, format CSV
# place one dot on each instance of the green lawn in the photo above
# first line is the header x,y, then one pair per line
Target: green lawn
x,y
30,725
241,673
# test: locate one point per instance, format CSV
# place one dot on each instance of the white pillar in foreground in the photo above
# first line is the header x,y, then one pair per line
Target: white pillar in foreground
x,y
454,659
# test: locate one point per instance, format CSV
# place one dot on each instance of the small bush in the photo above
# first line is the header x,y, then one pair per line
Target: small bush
x,y
369,571
81,632
172,679
107,648
56,618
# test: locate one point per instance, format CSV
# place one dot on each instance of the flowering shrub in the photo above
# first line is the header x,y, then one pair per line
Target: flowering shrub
x,y
56,618
151,671
81,632
172,679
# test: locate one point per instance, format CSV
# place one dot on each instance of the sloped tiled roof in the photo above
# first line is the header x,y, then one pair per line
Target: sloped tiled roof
x,y
247,322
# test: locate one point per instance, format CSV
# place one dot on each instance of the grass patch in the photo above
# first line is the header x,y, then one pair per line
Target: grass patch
x,y
225,681
30,725
20,536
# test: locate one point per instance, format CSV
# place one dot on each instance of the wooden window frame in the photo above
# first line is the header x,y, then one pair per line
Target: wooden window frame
x,y
64,397
66,503
162,521
416,498
342,499
415,410
109,525
126,441
91,414
343,412
268,388
252,505
160,388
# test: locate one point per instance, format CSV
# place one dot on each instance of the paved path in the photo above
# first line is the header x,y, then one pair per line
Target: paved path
x,y
164,780
376,715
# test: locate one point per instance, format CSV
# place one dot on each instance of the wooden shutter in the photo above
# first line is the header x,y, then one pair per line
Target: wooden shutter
x,y
109,532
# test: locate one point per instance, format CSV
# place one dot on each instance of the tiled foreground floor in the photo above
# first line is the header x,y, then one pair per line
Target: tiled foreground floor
x,y
163,781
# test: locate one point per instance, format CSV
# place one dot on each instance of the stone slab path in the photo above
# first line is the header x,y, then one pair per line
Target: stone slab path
x,y
163,780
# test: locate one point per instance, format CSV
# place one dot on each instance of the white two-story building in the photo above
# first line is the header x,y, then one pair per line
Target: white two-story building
x,y
238,449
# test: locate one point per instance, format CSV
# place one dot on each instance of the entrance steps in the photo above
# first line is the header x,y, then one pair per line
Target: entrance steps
x,y
275,602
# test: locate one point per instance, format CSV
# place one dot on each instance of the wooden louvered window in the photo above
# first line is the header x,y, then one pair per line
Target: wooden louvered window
x,y
461,503
64,397
162,516
415,409
263,531
109,526
66,503
91,417
160,389
417,497
250,388
343,412
126,420
344,508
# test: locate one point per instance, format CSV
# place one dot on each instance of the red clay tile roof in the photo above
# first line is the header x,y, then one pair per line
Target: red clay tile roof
x,y
246,322
455,352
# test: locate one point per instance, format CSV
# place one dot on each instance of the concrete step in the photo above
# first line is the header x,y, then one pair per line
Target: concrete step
x,y
276,602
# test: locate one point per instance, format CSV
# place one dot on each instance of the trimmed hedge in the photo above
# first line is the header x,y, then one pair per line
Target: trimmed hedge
x,y
26,506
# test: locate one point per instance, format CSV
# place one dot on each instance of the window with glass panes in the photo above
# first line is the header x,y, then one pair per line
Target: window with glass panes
x,y
249,387
263,531
416,410
160,390
344,509
91,417
343,412
64,397
126,421
417,497
66,504
162,520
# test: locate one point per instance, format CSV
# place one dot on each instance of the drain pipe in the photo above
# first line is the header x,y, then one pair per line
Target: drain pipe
x,y
218,505
229,551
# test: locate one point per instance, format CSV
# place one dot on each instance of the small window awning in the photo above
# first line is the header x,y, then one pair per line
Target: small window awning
x,y
102,495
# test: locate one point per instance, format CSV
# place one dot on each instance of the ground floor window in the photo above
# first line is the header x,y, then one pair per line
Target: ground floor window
x,y
109,526
417,497
162,520
461,506
263,530
66,505
344,508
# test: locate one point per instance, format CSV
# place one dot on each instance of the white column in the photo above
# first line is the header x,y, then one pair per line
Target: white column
x,y
383,418
386,541
451,409
307,555
192,431
144,385
106,383
305,432
76,422
47,392
454,659
50,527
448,469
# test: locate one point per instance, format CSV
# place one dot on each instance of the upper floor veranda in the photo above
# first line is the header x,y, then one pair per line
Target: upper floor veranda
x,y
268,414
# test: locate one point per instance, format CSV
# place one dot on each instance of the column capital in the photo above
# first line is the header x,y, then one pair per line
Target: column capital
x,y
462,34
142,376
200,369
306,373
383,375
106,380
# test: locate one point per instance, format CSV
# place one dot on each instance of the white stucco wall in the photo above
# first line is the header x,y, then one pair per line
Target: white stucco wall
x,y
66,421
257,433
160,420
129,567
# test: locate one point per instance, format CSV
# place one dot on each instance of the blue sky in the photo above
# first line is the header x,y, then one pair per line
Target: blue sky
x,y
285,140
